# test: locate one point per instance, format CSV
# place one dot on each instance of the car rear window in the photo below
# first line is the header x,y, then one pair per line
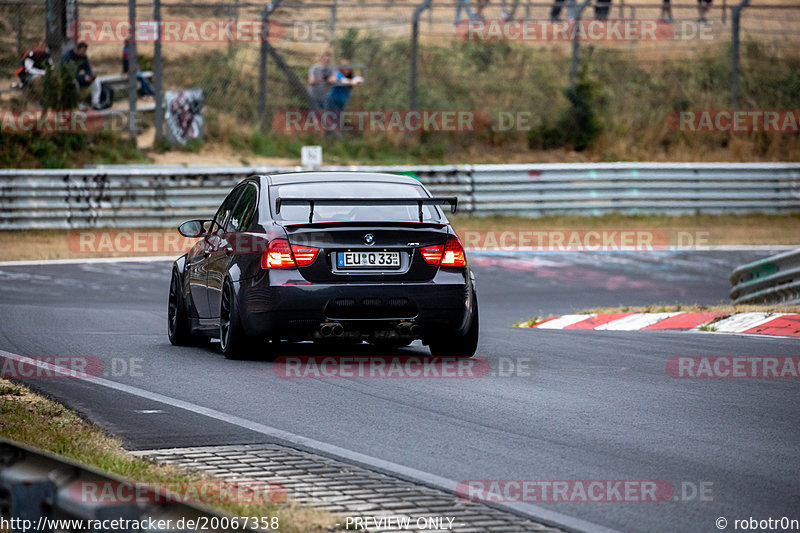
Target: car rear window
x,y
352,189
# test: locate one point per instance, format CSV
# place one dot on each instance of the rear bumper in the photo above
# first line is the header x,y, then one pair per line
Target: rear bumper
x,y
282,303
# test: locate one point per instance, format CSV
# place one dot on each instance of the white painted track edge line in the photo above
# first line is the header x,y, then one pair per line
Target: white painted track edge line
x,y
526,510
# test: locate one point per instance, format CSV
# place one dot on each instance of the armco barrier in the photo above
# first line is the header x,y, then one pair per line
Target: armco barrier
x,y
773,280
39,486
165,196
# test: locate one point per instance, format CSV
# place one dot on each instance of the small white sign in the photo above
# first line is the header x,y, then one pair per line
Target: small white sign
x,y
311,156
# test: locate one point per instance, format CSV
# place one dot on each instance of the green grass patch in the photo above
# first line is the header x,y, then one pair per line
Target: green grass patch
x,y
34,420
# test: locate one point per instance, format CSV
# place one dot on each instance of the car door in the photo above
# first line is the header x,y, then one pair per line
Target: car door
x,y
222,249
196,261
198,274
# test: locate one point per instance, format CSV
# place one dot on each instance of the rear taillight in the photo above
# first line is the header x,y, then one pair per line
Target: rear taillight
x,y
449,255
454,253
304,255
280,255
432,254
277,255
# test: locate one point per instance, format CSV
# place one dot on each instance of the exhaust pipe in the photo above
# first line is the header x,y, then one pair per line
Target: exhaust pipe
x,y
330,329
408,329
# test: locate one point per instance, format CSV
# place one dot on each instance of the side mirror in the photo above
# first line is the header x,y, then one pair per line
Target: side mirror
x,y
193,229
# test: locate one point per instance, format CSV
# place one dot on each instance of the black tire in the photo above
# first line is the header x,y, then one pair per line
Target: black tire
x,y
458,345
178,329
233,341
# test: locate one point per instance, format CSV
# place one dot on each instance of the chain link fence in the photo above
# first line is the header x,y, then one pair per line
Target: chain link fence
x,y
461,62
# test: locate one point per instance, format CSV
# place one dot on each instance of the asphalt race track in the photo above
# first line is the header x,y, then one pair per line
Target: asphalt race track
x,y
580,405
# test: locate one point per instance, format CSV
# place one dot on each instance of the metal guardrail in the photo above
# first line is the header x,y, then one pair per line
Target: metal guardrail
x,y
36,485
165,196
774,280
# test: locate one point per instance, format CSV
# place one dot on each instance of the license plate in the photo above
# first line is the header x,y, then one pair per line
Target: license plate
x,y
368,260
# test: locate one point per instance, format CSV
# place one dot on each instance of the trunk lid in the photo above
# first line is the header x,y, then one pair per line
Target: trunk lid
x,y
382,251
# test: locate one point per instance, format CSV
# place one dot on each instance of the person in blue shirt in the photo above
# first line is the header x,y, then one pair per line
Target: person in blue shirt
x,y
342,80
83,75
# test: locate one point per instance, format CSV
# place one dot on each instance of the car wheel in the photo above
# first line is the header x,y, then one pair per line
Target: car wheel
x,y
458,345
234,342
180,334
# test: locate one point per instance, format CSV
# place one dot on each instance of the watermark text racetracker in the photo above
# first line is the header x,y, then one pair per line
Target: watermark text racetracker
x,y
582,240
583,490
547,30
63,121
734,367
151,242
207,492
400,367
735,121
50,121
170,242
182,30
373,120
81,367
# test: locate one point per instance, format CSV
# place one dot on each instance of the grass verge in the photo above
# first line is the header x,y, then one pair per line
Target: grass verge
x,y
32,419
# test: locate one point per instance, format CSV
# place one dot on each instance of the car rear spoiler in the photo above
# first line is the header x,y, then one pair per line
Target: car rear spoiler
x,y
452,201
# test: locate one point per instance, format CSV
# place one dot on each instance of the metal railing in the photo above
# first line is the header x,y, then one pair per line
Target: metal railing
x,y
165,196
774,280
41,488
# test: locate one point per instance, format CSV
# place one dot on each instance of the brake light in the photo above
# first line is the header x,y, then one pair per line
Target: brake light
x,y
432,254
277,255
454,253
304,255
449,255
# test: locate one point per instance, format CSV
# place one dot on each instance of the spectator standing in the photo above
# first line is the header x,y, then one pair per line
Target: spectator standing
x,y
555,11
342,80
83,74
318,76
666,11
463,5
703,7
481,6
601,9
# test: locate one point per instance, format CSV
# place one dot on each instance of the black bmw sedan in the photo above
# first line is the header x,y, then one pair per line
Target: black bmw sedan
x,y
327,257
